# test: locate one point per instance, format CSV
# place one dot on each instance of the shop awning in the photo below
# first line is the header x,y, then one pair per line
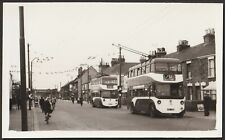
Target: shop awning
x,y
211,86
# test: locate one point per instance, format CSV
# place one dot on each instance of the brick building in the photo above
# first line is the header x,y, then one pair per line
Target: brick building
x,y
83,79
198,67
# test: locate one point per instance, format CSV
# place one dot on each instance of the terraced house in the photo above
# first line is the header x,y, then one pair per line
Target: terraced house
x,y
199,69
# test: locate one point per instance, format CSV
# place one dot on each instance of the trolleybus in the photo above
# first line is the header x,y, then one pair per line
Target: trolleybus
x,y
104,91
155,87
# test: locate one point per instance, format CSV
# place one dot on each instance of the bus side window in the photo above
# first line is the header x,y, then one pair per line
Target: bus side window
x,y
152,66
149,91
143,69
153,90
147,69
131,73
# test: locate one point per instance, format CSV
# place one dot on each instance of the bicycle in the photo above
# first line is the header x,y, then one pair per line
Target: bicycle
x,y
47,116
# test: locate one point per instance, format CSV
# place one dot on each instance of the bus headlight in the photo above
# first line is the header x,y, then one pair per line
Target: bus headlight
x,y
103,99
116,100
159,102
181,102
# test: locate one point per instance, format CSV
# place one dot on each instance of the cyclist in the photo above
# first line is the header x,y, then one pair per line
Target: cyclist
x,y
47,106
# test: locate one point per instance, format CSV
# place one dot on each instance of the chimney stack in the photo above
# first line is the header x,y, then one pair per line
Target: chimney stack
x,y
79,70
209,37
103,66
160,52
182,45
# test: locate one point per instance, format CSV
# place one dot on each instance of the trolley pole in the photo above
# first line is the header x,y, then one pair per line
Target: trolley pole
x,y
120,87
23,72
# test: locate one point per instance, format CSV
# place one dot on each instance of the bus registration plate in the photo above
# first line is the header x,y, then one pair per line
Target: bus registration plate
x,y
170,109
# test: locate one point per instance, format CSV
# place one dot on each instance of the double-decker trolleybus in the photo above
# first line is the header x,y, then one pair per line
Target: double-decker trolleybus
x,y
104,92
155,87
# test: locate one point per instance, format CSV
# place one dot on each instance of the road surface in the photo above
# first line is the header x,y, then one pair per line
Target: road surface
x,y
68,116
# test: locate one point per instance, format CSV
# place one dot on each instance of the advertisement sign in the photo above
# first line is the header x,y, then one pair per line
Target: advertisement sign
x,y
200,107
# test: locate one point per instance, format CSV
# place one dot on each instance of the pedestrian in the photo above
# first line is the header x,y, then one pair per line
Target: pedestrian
x,y
206,102
30,97
47,108
41,103
89,99
119,100
72,98
128,100
53,101
81,101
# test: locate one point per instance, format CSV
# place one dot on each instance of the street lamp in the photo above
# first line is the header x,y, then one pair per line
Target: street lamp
x,y
38,60
31,82
31,74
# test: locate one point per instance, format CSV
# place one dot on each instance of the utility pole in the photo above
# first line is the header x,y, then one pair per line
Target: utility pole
x,y
120,87
88,83
28,53
23,72
29,82
81,94
60,94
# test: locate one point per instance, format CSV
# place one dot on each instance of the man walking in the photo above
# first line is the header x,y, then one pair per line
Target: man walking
x,y
41,102
206,102
81,101
30,97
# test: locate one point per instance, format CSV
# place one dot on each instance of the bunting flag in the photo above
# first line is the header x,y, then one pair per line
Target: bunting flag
x,y
91,57
49,72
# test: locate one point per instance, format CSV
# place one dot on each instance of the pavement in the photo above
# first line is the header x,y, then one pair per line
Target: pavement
x,y
15,117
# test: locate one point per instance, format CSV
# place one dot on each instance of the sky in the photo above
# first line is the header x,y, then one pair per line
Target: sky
x,y
70,33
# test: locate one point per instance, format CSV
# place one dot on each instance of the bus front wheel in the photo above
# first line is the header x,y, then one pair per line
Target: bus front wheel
x,y
132,109
100,104
152,111
180,115
116,106
93,104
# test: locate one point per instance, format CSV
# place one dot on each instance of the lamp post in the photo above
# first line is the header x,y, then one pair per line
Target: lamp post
x,y
31,82
31,74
